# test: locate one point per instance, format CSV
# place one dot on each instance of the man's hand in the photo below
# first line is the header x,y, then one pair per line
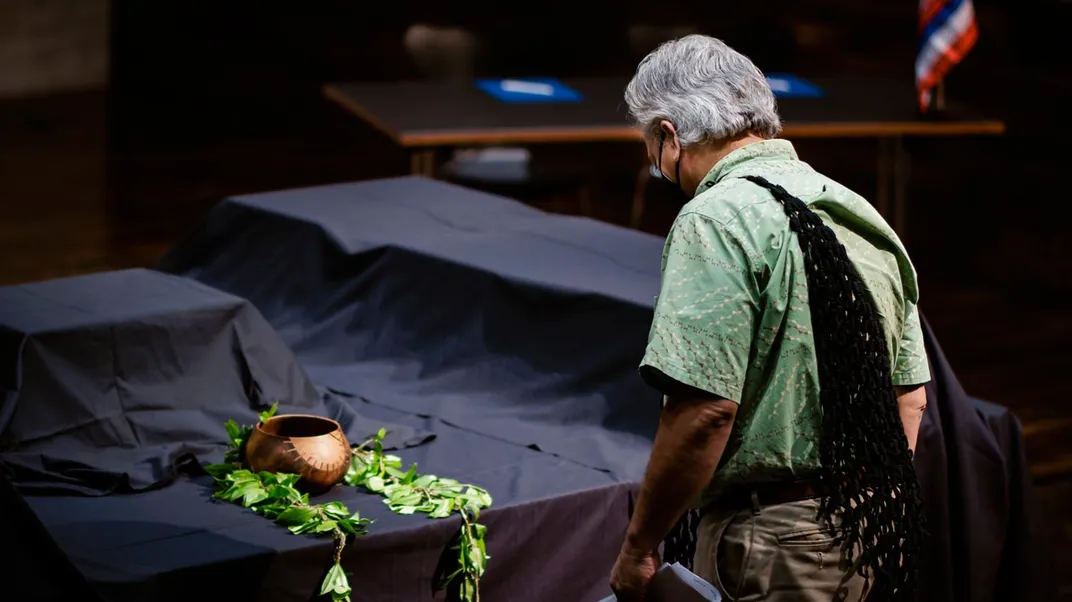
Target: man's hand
x,y
632,574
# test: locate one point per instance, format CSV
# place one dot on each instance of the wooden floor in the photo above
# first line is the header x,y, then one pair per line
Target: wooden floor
x,y
992,251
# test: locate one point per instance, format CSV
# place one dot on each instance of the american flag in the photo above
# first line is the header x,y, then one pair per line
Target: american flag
x,y
947,32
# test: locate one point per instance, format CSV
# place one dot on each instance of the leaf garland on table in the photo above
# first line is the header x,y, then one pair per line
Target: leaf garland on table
x,y
274,496
405,492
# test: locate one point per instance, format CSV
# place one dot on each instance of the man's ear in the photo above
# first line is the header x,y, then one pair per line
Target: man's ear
x,y
669,133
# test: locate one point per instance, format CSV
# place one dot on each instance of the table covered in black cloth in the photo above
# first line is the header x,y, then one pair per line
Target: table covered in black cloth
x,y
119,381
502,343
439,300
112,380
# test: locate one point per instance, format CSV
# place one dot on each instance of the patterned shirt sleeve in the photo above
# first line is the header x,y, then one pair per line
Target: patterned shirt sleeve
x,y
701,334
911,367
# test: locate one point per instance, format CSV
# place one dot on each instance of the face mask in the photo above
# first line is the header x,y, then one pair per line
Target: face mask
x,y
657,172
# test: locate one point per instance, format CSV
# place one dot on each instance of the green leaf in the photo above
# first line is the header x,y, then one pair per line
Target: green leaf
x,y
271,511
394,492
254,495
405,509
279,492
375,484
289,480
233,430
443,508
296,516
357,465
347,526
423,480
243,475
392,461
245,490
381,434
305,527
239,488
267,414
218,471
324,526
355,525
476,557
335,581
336,510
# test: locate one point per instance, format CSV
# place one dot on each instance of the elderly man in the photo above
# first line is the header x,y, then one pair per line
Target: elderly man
x,y
787,344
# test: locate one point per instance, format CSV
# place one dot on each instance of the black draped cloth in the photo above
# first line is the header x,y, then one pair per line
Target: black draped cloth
x,y
438,300
986,542
111,382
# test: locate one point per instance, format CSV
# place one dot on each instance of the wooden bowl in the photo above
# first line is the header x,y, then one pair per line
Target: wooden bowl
x,y
311,446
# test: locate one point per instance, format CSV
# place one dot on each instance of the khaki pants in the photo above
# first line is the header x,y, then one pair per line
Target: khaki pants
x,y
774,553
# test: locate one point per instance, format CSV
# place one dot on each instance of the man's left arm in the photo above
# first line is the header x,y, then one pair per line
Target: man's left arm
x,y
911,371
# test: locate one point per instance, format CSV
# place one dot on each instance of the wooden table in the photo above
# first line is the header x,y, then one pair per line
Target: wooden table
x,y
429,117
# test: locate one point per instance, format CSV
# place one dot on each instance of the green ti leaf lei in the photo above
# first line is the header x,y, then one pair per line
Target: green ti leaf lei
x,y
406,492
274,496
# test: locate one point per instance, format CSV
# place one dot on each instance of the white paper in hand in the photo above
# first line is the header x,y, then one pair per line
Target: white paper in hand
x,y
675,583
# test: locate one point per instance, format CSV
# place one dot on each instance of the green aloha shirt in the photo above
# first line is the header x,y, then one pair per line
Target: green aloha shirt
x,y
732,313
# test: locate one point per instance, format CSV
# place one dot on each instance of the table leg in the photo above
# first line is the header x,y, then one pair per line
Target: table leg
x,y
892,183
885,172
637,212
422,162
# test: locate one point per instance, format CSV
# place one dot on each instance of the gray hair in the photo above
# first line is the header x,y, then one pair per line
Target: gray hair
x,y
708,90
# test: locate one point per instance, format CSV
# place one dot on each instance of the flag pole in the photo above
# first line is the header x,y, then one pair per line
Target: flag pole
x,y
939,96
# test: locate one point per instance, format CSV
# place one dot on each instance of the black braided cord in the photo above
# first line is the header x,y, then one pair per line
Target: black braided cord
x,y
867,476
680,545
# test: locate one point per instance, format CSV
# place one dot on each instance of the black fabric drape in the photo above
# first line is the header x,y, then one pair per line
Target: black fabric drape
x,y
985,541
116,381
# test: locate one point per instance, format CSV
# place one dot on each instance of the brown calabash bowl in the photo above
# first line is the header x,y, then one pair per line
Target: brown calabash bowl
x,y
311,446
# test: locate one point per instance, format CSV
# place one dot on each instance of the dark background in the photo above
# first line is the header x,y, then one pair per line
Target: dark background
x,y
200,100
